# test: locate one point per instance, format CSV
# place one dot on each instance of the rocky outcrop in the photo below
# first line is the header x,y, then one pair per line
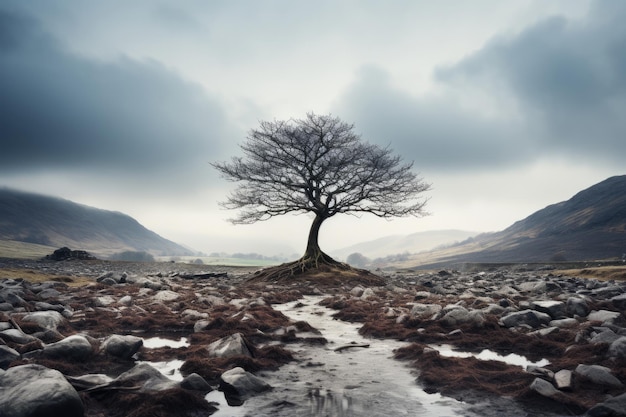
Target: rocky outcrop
x,y
65,253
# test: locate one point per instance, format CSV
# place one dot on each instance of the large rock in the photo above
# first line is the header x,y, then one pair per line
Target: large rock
x,y
599,375
228,346
530,318
619,301
195,382
544,388
75,347
166,295
425,311
613,407
122,346
147,377
607,317
617,349
7,355
46,319
36,391
555,309
17,336
241,383
461,315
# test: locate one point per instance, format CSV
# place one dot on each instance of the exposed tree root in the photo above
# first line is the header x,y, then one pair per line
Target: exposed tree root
x,y
319,269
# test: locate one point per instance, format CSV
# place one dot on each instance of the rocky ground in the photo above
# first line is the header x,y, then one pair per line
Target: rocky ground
x,y
71,335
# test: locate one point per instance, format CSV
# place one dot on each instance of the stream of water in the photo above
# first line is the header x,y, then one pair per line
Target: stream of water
x,y
345,383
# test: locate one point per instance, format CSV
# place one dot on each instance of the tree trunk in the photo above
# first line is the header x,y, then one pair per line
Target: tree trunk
x,y
313,250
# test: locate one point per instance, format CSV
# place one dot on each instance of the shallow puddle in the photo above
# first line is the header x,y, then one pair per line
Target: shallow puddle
x,y
171,369
489,355
158,342
349,382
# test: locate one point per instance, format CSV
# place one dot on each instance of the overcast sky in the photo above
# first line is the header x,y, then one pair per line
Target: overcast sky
x,y
505,106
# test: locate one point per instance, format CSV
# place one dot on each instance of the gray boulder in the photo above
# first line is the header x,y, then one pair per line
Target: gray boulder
x,y
607,317
122,346
75,347
544,388
228,346
17,336
530,318
7,355
555,309
599,375
34,390
577,307
461,315
424,311
242,383
195,382
619,301
617,349
613,407
46,319
605,336
147,377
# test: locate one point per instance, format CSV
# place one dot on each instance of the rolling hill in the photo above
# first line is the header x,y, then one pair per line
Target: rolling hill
x,y
27,218
412,243
589,226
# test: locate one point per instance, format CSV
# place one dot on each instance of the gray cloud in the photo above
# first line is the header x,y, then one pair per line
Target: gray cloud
x,y
434,132
568,77
60,111
556,88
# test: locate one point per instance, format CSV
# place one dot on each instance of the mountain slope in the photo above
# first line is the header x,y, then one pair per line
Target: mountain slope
x,y
411,243
51,221
589,226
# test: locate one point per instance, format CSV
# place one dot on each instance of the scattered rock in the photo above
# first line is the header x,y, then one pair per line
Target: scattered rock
x,y
75,347
195,382
34,390
617,349
599,375
564,380
7,355
232,345
530,318
242,384
613,407
425,311
122,346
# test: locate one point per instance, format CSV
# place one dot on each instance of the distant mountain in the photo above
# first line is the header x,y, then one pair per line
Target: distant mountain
x,y
55,222
589,226
398,244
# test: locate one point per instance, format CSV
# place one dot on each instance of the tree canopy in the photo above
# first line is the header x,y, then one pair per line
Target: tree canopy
x,y
319,165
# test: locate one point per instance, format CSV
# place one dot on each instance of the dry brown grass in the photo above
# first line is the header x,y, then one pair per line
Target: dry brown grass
x,y
605,273
34,276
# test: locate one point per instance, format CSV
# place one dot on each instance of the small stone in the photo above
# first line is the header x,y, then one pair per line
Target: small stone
x,y
563,380
544,388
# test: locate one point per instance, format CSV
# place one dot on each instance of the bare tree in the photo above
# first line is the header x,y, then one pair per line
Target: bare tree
x,y
318,165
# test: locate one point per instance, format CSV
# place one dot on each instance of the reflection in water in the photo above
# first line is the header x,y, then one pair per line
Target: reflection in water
x,y
325,403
